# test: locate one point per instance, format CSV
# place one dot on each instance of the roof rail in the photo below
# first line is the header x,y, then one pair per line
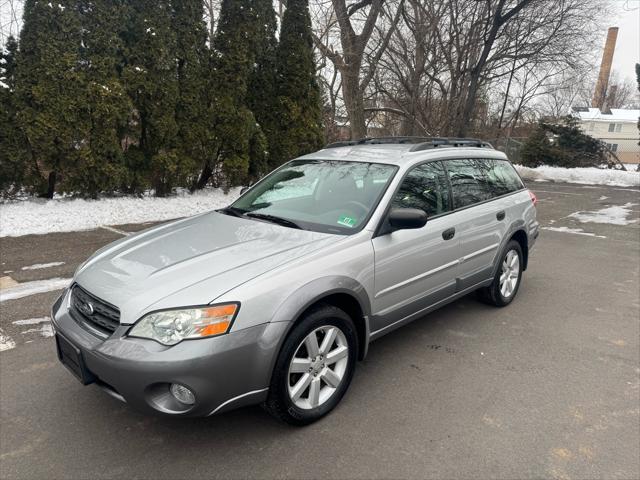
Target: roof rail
x,y
451,142
378,141
420,143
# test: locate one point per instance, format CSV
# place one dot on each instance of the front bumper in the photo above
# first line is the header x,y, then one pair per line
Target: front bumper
x,y
224,372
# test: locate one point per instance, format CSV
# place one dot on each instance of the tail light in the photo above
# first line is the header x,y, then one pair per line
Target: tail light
x,y
534,199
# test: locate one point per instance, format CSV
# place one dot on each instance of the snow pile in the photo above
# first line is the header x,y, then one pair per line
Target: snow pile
x,y
587,176
616,215
37,216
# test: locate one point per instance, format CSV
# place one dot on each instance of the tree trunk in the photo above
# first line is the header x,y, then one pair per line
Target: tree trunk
x,y
51,184
466,116
354,103
203,179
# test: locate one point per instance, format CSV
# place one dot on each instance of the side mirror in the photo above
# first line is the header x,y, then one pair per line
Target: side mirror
x,y
244,189
407,218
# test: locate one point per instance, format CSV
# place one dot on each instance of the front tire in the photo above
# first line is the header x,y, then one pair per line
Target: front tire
x,y
506,282
314,367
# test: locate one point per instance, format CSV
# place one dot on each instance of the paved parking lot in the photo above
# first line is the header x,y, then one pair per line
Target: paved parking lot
x,y
546,388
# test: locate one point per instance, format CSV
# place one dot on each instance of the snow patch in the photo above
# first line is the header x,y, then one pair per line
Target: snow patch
x,y
31,288
32,321
574,231
6,342
38,216
588,176
45,331
40,266
616,215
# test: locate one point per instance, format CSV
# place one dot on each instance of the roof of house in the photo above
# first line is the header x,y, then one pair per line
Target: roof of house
x,y
616,115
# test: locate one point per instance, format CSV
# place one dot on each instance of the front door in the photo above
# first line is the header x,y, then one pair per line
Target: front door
x,y
416,268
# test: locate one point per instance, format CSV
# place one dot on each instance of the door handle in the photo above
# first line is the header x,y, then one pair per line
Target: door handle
x,y
449,233
500,215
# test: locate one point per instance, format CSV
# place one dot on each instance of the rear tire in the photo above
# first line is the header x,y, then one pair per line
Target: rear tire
x,y
506,282
314,367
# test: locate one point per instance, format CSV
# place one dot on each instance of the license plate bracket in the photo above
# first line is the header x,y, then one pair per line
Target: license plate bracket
x,y
71,357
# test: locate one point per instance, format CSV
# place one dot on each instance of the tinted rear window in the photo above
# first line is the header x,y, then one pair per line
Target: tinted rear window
x,y
477,180
468,182
501,177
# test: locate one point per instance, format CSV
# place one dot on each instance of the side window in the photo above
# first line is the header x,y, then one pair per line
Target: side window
x,y
501,177
425,187
468,182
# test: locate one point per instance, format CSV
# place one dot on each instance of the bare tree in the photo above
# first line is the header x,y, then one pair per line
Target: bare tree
x,y
622,93
359,51
429,72
10,19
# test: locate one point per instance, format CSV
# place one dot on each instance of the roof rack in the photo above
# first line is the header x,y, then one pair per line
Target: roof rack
x,y
451,142
378,141
420,143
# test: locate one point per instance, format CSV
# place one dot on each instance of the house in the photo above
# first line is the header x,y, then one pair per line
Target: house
x,y
618,128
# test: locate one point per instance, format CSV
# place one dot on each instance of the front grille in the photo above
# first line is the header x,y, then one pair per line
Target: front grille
x,y
90,310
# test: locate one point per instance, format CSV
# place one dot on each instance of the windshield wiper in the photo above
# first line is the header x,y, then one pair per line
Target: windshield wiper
x,y
235,212
274,219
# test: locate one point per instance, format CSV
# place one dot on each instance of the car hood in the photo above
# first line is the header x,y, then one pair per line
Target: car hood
x,y
191,262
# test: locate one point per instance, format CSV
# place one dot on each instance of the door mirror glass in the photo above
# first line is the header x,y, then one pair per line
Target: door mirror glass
x,y
407,218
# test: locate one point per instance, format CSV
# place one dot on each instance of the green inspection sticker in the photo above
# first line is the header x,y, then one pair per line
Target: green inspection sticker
x,y
347,221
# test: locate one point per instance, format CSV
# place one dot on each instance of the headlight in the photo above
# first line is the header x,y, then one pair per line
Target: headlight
x,y
172,326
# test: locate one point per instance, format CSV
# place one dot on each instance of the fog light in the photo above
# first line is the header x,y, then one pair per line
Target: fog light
x,y
182,394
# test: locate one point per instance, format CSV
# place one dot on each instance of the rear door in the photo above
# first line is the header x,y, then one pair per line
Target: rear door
x,y
416,268
480,194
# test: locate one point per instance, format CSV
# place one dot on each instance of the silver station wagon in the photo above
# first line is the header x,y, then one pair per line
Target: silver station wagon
x,y
273,299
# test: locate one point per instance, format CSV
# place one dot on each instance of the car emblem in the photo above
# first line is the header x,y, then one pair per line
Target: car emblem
x,y
86,308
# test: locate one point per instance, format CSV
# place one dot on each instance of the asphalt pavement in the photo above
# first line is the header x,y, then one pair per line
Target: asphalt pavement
x,y
548,387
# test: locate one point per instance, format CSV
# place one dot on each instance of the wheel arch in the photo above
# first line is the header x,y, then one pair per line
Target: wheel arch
x,y
342,292
520,236
517,233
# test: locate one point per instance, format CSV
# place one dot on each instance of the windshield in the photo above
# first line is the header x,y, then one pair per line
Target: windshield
x,y
321,195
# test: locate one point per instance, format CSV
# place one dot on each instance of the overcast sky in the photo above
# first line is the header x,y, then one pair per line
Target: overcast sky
x,y
627,52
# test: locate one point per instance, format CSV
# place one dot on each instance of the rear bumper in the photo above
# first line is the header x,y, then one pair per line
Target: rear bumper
x,y
224,372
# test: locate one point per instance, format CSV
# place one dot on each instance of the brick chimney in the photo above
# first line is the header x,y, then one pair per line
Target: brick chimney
x,y
600,92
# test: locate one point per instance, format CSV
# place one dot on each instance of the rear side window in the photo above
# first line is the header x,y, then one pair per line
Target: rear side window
x,y
468,182
426,188
501,176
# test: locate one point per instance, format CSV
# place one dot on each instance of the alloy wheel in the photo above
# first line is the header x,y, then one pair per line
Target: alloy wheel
x,y
318,367
510,273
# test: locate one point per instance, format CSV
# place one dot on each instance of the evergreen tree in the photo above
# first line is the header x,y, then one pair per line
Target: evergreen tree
x,y
107,108
562,144
262,93
50,89
150,77
13,166
300,114
233,124
195,139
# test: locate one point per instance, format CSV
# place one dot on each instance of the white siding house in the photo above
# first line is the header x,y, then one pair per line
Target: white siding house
x,y
618,129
